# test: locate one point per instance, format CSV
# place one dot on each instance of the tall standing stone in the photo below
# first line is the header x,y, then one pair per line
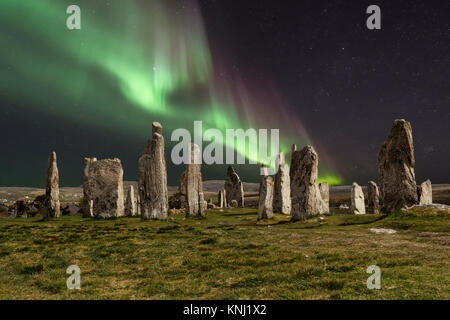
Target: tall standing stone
x,y
87,198
357,197
282,188
195,202
153,178
425,193
20,209
182,190
373,198
51,203
396,168
305,194
265,202
325,195
138,205
105,185
129,204
222,199
234,188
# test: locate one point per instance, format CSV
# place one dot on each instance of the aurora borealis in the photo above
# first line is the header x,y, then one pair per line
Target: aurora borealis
x,y
95,91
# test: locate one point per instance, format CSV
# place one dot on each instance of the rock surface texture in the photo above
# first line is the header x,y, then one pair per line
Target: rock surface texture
x,y
396,168
325,195
51,203
182,190
87,198
105,185
265,202
222,199
305,194
373,198
234,188
195,202
153,194
357,198
130,203
282,187
425,193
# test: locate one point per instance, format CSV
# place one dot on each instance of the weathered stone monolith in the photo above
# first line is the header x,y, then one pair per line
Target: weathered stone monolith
x,y
305,194
182,190
265,203
105,185
222,199
282,188
20,209
425,193
325,195
396,162
51,202
153,178
357,198
195,203
138,205
129,204
87,198
373,198
234,188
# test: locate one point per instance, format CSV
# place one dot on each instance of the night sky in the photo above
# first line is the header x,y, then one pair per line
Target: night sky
x,y
310,68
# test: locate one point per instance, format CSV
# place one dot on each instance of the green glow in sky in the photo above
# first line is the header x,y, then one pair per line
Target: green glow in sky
x,y
132,62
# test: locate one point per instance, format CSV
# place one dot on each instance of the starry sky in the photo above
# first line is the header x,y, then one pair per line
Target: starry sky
x,y
309,68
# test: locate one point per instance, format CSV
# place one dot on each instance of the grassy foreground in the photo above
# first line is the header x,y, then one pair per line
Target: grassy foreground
x,y
228,255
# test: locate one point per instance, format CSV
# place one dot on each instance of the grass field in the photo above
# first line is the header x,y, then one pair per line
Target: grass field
x,y
227,255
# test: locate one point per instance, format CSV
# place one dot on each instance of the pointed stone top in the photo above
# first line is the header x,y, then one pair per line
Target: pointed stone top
x,y
372,183
52,156
264,171
294,147
309,149
281,159
156,128
355,184
194,154
230,170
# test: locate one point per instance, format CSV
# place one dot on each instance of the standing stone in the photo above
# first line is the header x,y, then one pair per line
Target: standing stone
x,y
105,185
20,209
195,203
357,197
373,198
425,193
222,199
138,206
129,204
325,195
87,198
396,168
282,192
305,194
293,149
182,190
265,203
51,203
153,178
234,188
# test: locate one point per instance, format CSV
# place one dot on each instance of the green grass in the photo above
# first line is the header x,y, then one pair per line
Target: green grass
x,y
227,255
